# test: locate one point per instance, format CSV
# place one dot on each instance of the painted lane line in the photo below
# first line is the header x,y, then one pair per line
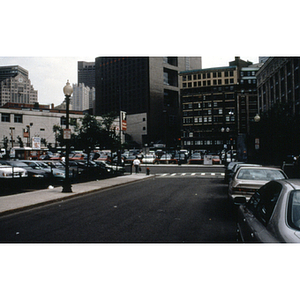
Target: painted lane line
x,y
183,174
173,174
203,174
193,174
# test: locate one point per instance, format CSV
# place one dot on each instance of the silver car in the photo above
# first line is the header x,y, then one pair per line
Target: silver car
x,y
247,180
272,214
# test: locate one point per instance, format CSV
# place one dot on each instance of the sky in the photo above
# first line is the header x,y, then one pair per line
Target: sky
x,y
48,75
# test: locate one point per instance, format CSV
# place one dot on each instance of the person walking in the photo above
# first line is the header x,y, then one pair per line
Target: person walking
x,y
136,164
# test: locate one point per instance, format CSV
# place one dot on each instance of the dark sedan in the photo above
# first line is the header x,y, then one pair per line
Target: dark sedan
x,y
272,215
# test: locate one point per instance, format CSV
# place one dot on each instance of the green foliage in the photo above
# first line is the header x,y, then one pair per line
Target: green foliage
x,y
5,142
20,141
91,134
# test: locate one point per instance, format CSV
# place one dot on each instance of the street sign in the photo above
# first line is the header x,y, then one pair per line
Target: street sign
x,y
123,118
36,142
67,134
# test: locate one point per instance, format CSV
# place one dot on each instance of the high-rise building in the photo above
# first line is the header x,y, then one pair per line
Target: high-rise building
x,y
15,86
147,89
217,104
278,88
86,73
83,97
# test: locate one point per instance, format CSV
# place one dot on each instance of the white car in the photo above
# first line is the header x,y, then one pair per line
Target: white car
x,y
9,172
149,159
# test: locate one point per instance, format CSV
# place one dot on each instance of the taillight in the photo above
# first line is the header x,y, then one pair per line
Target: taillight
x,y
245,190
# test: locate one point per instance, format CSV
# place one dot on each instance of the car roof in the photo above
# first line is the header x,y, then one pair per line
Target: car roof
x,y
294,183
259,167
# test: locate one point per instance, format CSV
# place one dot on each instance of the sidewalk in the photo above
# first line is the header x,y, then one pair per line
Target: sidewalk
x,y
18,202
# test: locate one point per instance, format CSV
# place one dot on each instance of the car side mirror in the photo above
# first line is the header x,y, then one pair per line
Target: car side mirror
x,y
240,200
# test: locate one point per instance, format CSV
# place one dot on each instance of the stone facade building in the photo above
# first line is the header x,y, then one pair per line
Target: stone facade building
x,y
15,86
217,106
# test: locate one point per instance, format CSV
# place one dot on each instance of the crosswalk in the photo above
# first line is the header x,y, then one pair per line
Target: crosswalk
x,y
202,174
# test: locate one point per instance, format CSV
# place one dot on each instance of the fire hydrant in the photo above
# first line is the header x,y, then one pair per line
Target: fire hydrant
x,y
147,171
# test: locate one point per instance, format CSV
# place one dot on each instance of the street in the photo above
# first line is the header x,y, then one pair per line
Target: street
x,y
159,210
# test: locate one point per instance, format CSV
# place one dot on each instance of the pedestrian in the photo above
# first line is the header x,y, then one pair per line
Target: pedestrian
x,y
136,164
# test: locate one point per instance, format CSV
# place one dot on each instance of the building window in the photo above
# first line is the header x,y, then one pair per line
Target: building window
x,y
18,118
5,117
63,121
220,111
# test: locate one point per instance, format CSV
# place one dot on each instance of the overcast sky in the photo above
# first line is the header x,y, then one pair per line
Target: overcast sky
x,y
48,75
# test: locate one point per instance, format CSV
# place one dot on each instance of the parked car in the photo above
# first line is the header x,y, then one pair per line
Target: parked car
x,y
196,158
78,156
9,172
167,159
236,166
36,177
247,180
229,170
129,160
272,214
55,173
74,169
111,169
149,159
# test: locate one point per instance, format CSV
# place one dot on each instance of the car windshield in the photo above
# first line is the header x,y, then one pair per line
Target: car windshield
x,y
260,174
294,209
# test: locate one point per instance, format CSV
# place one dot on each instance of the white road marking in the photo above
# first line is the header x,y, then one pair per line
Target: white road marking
x,y
193,174
173,174
203,174
183,174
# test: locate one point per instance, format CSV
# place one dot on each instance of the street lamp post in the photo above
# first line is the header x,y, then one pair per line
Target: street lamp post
x,y
68,90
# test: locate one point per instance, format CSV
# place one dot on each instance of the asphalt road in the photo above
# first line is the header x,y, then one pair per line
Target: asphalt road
x,y
156,210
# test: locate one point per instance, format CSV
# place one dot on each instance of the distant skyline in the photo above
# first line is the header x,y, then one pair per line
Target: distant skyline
x,y
48,75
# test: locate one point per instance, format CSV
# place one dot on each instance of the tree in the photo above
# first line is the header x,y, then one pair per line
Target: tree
x,y
44,142
88,134
20,141
91,133
5,145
